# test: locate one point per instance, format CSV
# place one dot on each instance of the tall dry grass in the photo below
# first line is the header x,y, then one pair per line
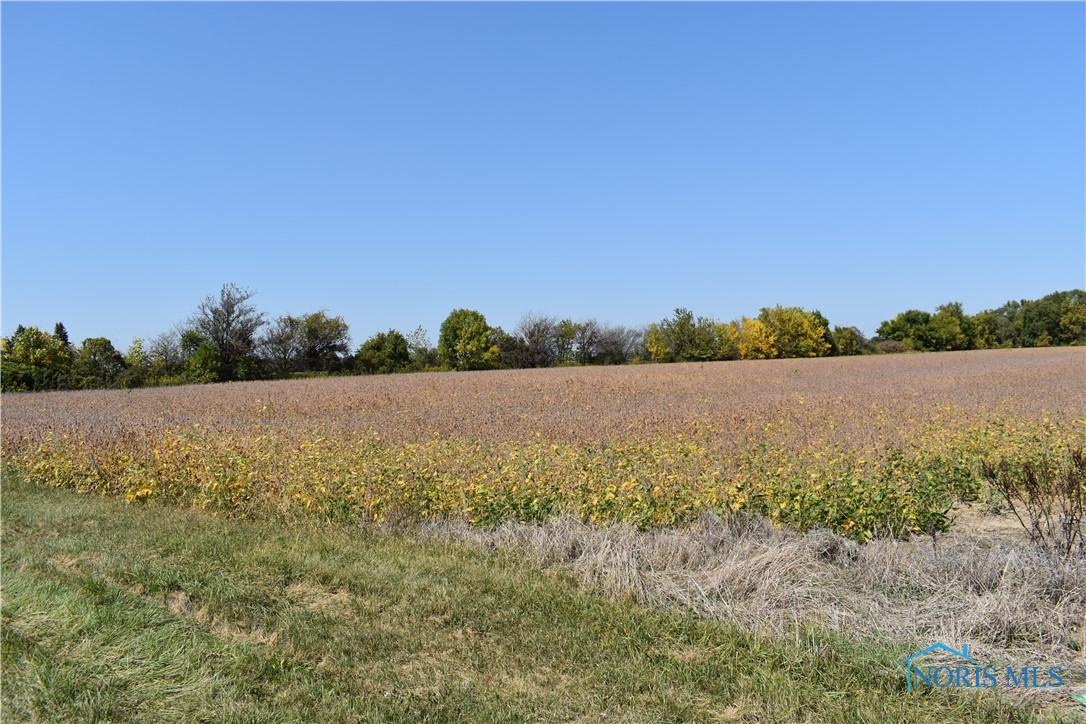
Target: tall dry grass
x,y
1009,600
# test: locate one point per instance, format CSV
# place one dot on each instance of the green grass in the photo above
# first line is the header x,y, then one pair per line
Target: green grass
x,y
118,612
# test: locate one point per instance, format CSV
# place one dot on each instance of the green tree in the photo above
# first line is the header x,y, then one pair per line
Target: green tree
x,y
512,350
137,365
681,332
913,328
950,329
312,342
1073,321
202,361
33,360
991,330
683,338
467,342
324,341
827,336
565,335
658,344
281,346
98,364
230,324
727,338
706,345
60,334
383,353
1040,320
423,354
849,341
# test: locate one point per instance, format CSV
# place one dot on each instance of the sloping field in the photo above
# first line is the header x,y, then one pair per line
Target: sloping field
x,y
866,446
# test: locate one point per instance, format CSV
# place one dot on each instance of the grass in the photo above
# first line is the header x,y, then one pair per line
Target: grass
x,y
1007,599
151,612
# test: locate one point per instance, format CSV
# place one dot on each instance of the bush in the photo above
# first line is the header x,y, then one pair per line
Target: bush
x,y
892,346
1049,500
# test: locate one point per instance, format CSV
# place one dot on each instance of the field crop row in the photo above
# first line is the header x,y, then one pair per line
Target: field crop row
x,y
881,447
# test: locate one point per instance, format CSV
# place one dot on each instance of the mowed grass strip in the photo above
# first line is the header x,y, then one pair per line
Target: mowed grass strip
x,y
119,612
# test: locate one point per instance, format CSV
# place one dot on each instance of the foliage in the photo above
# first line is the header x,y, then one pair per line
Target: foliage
x,y
657,344
648,447
950,329
323,341
565,334
681,334
1047,496
383,353
312,342
280,346
756,340
317,343
828,338
795,332
423,355
34,360
849,340
727,337
1073,321
60,334
1057,318
911,328
97,364
229,324
776,332
202,360
467,342
686,338
137,365
512,350
537,333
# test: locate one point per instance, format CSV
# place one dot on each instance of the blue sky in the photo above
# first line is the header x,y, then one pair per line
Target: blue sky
x,y
392,162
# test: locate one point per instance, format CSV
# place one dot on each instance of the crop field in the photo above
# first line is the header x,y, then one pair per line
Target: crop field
x,y
869,447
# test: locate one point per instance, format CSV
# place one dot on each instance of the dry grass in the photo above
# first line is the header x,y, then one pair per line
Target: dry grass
x,y
1005,598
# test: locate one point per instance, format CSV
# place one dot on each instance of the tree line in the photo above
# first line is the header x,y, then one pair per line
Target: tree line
x,y
227,338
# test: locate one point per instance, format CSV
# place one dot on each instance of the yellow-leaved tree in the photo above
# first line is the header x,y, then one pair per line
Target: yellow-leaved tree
x,y
796,332
756,340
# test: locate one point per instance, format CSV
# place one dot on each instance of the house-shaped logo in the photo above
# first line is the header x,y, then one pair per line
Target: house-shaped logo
x,y
963,654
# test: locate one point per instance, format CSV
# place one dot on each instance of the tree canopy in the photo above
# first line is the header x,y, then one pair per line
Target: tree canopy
x,y
228,338
467,342
230,324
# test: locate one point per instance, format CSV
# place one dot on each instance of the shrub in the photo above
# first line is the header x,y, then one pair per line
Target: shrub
x,y
1049,500
892,346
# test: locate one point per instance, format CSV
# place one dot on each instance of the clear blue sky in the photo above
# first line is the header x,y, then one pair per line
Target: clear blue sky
x,y
390,163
